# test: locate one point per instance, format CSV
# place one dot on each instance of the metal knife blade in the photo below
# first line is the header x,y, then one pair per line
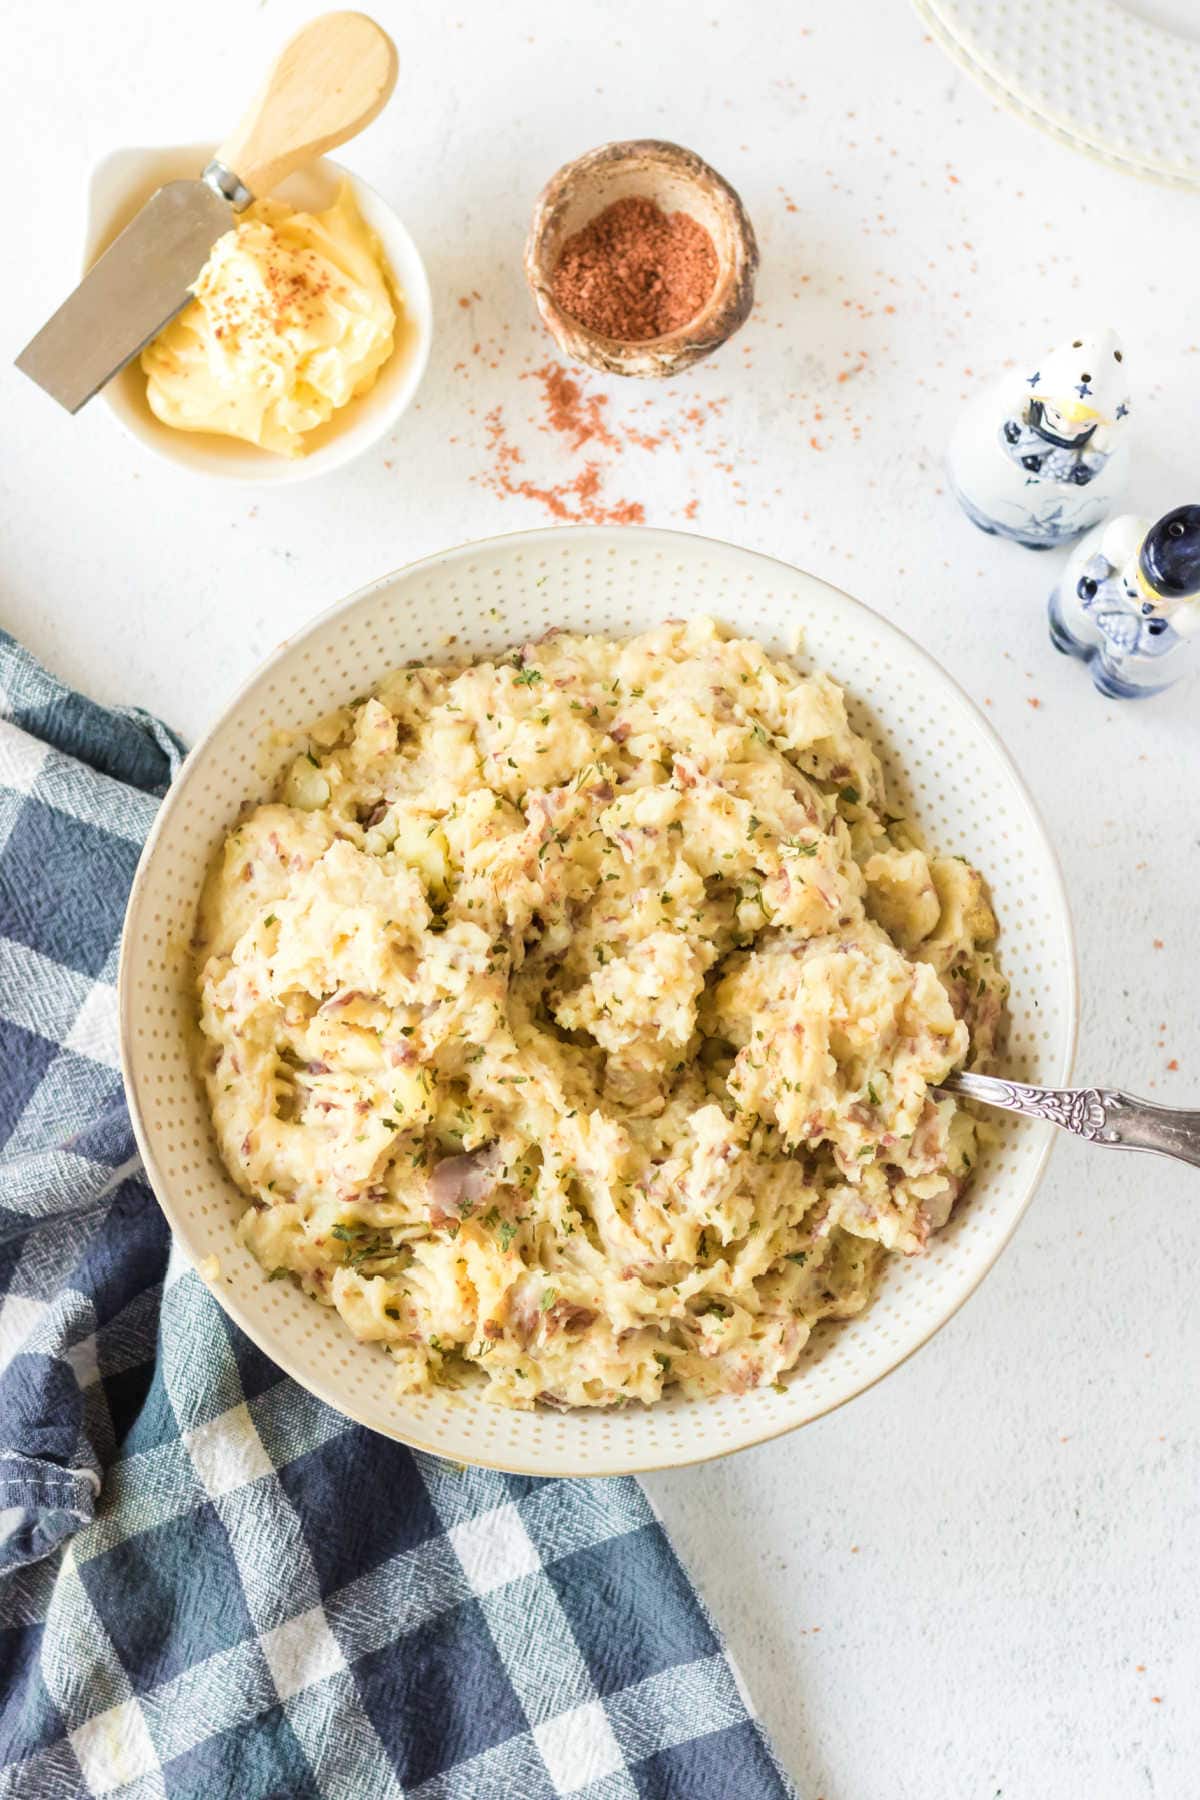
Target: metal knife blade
x,y
138,285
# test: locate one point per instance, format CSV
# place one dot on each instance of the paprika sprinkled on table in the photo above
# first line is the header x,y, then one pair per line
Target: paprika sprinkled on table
x,y
577,421
557,438
635,272
578,416
580,498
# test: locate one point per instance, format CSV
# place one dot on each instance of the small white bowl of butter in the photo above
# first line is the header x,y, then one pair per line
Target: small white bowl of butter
x,y
125,179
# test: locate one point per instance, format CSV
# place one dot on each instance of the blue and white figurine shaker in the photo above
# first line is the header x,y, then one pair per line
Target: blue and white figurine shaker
x,y
1129,601
1040,456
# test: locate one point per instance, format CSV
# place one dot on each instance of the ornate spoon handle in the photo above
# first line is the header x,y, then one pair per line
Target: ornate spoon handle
x,y
1102,1115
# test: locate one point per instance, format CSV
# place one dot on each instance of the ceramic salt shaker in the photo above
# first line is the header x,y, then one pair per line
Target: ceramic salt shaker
x,y
1040,455
1129,601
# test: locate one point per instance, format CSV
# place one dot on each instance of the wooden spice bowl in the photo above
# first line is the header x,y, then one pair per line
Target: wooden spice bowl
x,y
677,180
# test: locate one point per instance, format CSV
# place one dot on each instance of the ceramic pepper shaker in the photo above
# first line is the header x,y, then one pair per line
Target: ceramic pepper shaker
x,y
1129,601
1040,456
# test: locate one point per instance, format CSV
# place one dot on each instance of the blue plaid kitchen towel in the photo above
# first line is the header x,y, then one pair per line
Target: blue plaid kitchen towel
x,y
212,1586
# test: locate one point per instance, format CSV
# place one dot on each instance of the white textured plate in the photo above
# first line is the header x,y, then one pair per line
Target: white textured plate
x,y
1094,74
484,598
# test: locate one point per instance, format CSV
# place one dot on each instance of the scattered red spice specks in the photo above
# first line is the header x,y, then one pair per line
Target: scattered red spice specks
x,y
1032,700
290,292
1158,944
1156,1699
578,500
578,416
1173,1065
586,433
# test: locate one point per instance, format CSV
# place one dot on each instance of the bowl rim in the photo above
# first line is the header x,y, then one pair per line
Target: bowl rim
x,y
176,795
339,453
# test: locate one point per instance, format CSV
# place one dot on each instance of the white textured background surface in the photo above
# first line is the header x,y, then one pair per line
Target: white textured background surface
x,y
980,1579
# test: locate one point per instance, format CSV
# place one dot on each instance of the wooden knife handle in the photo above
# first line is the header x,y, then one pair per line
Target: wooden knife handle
x,y
328,83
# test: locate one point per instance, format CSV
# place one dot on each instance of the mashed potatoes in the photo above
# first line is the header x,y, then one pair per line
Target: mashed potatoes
x,y
293,317
572,1018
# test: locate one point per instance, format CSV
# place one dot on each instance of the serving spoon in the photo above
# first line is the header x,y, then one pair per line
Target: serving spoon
x,y
1102,1115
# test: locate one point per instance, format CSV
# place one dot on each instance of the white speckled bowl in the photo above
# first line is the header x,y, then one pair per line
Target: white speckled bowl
x,y
123,181
942,759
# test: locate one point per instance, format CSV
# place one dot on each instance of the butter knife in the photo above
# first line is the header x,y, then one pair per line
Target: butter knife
x,y
328,83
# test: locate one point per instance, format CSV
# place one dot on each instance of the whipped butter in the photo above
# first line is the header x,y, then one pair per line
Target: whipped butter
x,y
293,317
